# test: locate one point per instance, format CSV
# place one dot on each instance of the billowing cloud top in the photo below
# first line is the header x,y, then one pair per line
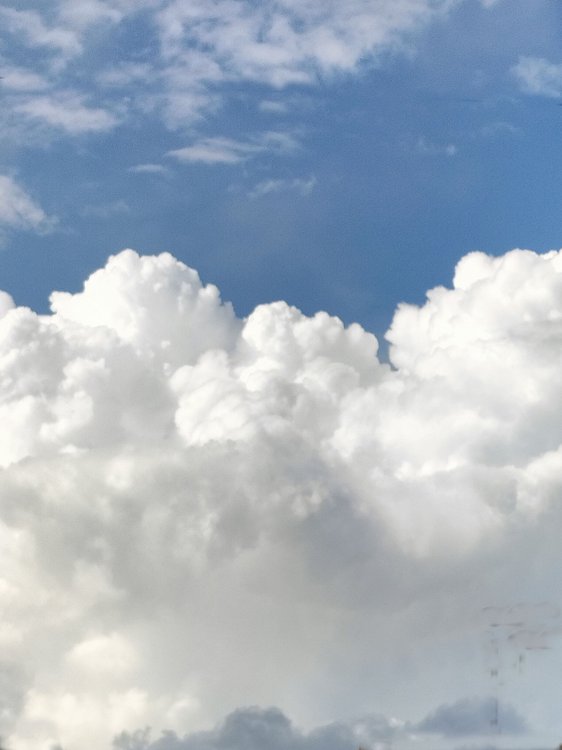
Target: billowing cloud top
x,y
201,512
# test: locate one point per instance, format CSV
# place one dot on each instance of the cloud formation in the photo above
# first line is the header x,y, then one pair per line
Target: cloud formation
x,y
248,729
195,51
67,111
18,210
301,185
539,76
472,716
201,512
228,151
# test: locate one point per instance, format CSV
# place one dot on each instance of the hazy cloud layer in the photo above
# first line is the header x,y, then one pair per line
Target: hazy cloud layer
x,y
201,512
66,111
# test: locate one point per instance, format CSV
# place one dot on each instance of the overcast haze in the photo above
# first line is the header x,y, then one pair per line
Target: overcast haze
x,y
286,475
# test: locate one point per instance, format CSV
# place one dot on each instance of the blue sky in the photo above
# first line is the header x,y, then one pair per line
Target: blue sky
x,y
235,524
348,176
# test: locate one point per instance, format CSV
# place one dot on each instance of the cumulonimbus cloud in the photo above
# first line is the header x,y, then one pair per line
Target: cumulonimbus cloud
x,y
201,512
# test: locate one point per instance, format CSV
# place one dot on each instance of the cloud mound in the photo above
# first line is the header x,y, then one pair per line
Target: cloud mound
x,y
472,716
248,729
200,512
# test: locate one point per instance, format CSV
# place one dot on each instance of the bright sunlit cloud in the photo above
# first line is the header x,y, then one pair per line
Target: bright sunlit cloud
x,y
250,525
174,475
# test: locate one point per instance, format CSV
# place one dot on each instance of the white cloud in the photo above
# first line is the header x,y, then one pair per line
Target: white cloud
x,y
18,210
424,146
216,151
302,186
499,128
184,106
80,14
229,510
30,26
289,42
539,76
220,150
148,169
68,20
67,111
206,48
21,79
257,728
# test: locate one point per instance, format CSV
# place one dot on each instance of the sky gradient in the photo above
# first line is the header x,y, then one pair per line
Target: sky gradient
x,y
286,474
338,157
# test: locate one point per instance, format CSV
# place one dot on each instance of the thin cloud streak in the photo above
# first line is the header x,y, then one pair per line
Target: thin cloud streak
x,y
220,150
300,185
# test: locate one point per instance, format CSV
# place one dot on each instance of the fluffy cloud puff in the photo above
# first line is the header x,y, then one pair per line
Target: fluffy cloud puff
x,y
200,512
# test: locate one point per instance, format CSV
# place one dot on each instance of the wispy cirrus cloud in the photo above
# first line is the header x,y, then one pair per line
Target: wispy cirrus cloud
x,y
149,168
19,211
538,76
216,151
18,79
68,111
286,43
301,185
81,14
427,147
29,26
205,48
229,151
